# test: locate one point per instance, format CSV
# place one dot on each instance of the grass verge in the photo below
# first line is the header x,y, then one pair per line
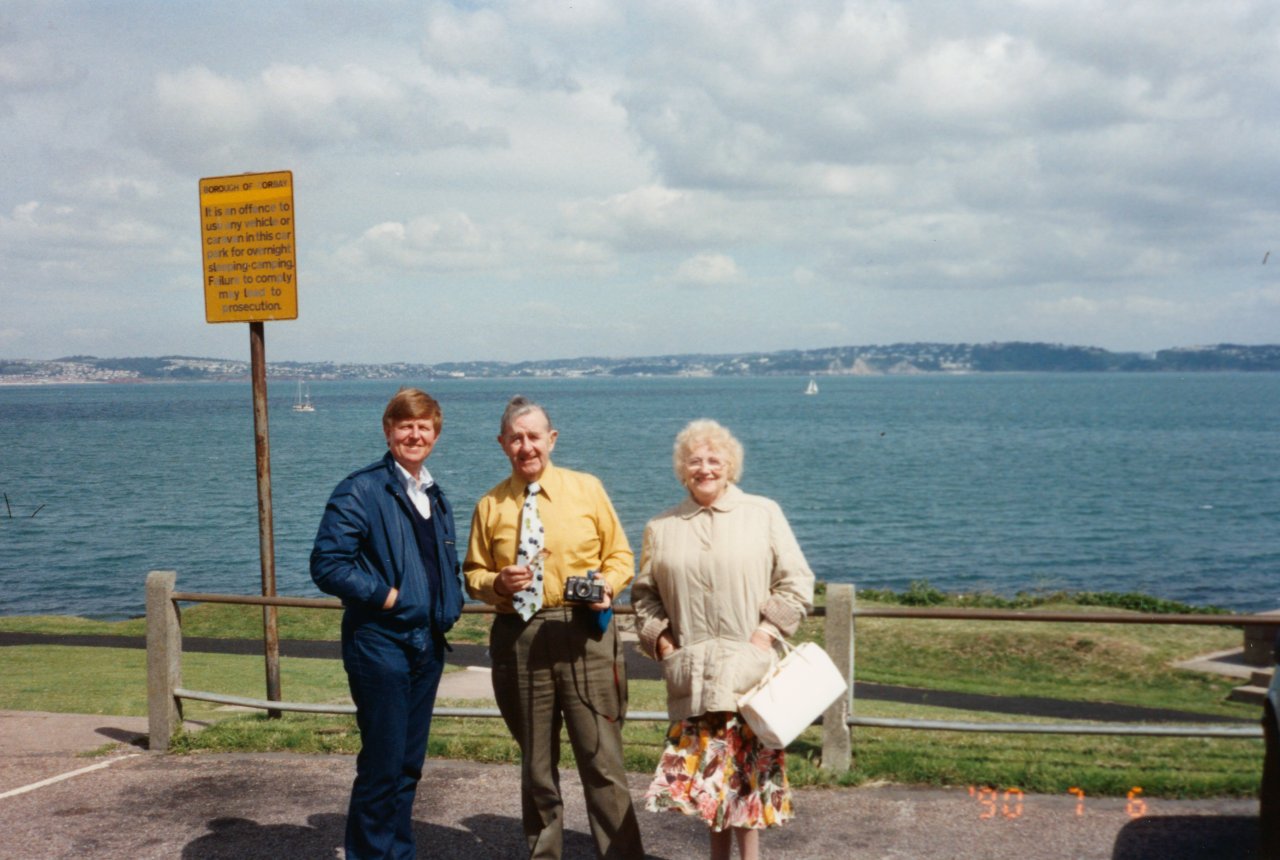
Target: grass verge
x,y
1126,664
1050,764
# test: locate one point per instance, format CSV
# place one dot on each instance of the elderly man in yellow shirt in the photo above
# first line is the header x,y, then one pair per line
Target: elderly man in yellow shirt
x,y
537,534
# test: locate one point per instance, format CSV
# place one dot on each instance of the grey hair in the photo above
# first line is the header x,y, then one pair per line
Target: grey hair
x,y
518,407
704,431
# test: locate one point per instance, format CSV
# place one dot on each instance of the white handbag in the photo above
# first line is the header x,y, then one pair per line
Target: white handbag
x,y
794,693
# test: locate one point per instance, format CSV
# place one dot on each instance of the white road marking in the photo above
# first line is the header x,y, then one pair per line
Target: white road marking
x,y
51,780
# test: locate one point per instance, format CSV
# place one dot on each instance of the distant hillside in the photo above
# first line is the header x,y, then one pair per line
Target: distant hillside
x,y
898,358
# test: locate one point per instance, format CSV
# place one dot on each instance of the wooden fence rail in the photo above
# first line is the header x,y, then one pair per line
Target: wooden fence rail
x,y
165,690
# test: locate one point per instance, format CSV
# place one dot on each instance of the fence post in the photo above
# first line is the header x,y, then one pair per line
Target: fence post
x,y
1259,643
164,660
836,742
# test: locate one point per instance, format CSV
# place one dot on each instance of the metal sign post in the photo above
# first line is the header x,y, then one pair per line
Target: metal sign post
x,y
247,242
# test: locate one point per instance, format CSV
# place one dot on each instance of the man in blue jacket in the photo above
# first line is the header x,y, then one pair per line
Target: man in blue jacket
x,y
386,547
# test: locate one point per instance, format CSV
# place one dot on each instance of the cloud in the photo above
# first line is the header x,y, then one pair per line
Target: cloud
x,y
1071,171
655,217
35,224
50,248
480,43
921,106
1148,319
1259,298
707,270
541,45
452,243
449,243
113,188
32,67
205,115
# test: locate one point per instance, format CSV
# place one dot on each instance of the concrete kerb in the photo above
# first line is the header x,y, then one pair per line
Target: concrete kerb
x,y
469,682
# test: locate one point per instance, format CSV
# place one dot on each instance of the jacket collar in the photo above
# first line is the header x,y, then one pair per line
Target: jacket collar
x,y
389,463
729,499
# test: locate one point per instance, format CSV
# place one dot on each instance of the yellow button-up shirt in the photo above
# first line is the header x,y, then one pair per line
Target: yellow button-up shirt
x,y
582,533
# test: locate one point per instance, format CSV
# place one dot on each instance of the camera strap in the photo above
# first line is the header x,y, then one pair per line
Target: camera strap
x,y
581,678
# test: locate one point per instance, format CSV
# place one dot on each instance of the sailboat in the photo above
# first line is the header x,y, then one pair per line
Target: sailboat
x,y
303,403
812,387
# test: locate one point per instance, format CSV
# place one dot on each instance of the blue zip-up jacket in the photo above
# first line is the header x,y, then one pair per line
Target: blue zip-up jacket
x,y
366,546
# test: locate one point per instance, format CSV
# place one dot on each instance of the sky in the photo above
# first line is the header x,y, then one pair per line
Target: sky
x,y
534,180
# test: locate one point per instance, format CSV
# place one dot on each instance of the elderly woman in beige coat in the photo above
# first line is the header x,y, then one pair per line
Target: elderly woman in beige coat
x,y
721,577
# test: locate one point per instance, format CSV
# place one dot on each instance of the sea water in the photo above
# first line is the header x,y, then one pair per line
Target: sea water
x,y
1160,483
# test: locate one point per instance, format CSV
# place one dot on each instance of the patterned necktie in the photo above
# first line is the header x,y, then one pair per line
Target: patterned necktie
x,y
528,600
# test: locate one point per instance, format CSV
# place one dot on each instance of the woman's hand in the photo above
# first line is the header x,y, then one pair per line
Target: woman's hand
x,y
391,599
512,578
761,640
665,645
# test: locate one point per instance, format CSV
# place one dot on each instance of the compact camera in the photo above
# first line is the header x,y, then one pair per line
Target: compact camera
x,y
583,589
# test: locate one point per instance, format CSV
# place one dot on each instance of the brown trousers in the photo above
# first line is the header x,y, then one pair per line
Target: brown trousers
x,y
557,670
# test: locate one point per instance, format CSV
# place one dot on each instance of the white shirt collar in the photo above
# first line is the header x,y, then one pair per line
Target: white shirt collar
x,y
416,488
422,482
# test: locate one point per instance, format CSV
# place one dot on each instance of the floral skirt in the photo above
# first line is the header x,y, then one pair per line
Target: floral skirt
x,y
714,768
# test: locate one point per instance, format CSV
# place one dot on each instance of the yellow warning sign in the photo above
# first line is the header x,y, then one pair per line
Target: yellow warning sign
x,y
247,247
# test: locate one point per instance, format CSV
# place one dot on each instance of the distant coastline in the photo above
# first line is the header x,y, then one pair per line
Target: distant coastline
x,y
893,359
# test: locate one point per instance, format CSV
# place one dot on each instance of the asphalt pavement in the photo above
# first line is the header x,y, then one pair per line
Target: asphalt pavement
x,y
124,802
